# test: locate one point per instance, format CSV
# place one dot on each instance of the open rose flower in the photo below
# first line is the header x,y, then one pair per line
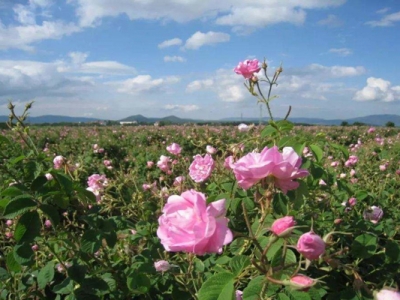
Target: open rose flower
x,y
284,167
174,148
201,167
247,68
188,224
386,294
311,245
97,182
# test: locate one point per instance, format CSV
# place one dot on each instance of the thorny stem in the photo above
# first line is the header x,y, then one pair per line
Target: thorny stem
x,y
266,101
253,237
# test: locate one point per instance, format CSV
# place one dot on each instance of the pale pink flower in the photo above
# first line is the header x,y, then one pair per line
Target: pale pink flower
x,y
164,163
352,201
351,161
97,182
162,266
188,224
96,192
210,149
58,162
243,127
9,223
178,180
352,172
342,175
174,148
150,164
238,295
101,150
107,163
284,167
386,294
49,176
311,245
334,164
301,282
283,226
382,167
47,224
228,162
248,68
371,130
35,247
201,167
321,182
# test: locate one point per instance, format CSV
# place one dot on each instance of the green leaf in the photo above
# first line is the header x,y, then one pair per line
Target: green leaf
x,y
12,191
279,204
282,296
51,212
12,264
65,287
23,254
284,125
91,241
238,263
342,149
219,286
364,246
238,244
285,141
298,295
18,206
253,289
4,274
38,183
138,283
268,131
28,227
392,251
64,181
16,160
77,272
46,274
94,286
317,151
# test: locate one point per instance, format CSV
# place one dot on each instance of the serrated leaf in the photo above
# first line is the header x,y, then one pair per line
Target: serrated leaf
x,y
64,181
91,241
77,272
219,286
28,227
23,254
268,131
18,206
38,183
253,289
12,264
46,275
138,283
238,263
364,246
65,287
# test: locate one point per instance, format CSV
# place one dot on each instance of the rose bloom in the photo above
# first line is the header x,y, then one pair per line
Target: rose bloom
x,y
174,148
162,266
201,167
238,295
283,226
248,68
178,180
228,162
188,224
210,149
243,127
310,245
301,282
386,294
284,167
97,182
58,162
374,214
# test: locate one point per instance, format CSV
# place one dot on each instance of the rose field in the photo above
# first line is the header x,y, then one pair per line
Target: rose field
x,y
270,211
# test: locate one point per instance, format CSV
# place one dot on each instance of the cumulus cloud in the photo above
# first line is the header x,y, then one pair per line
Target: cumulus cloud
x,y
333,71
341,51
143,83
200,39
331,21
246,13
169,43
385,21
185,108
174,59
378,89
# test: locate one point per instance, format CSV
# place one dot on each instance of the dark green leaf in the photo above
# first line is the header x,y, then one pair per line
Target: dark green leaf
x,y
18,206
91,241
51,212
28,227
317,151
364,246
45,275
219,286
12,264
23,254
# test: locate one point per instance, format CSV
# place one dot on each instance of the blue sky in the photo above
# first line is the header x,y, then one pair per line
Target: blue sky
x,y
112,59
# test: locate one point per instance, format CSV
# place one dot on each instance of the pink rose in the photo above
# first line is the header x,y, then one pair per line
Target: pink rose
x,y
310,245
178,180
58,162
210,149
374,214
49,176
163,163
228,162
248,68
174,148
96,193
243,128
150,164
97,182
188,224
301,282
371,130
352,201
283,226
201,167
238,295
284,167
386,294
162,266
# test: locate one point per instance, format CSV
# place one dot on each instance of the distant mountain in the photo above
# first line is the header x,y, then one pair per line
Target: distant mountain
x,y
376,120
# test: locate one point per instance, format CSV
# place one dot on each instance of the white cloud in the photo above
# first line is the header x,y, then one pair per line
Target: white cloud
x,y
200,39
143,83
174,59
331,21
383,10
169,43
341,51
245,13
385,21
199,84
378,89
184,108
335,71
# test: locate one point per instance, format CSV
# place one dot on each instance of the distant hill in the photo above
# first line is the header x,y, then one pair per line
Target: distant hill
x,y
376,120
